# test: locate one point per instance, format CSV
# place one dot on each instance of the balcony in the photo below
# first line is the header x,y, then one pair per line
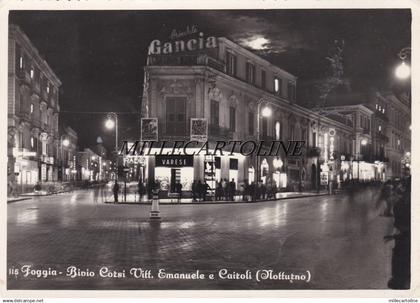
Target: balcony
x,y
382,137
24,76
188,60
220,133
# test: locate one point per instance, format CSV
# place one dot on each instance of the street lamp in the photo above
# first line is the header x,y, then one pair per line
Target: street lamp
x,y
111,123
265,112
403,71
64,143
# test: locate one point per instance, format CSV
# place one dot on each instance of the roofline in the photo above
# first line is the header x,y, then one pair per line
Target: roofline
x,y
247,52
17,34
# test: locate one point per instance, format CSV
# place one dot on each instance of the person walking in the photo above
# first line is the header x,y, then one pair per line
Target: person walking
x,y
225,189
200,190
141,190
232,189
116,189
178,190
194,190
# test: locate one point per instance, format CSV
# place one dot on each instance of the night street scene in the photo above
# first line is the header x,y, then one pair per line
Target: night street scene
x,y
83,86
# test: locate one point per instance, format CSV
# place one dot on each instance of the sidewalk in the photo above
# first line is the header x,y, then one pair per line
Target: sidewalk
x,y
133,199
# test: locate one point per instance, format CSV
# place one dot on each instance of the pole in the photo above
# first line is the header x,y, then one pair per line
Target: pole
x,y
258,139
116,132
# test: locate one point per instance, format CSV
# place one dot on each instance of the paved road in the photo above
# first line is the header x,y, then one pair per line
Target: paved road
x,y
337,239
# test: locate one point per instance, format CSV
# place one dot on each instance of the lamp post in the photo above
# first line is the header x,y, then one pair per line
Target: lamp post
x,y
265,112
64,142
363,142
403,71
111,123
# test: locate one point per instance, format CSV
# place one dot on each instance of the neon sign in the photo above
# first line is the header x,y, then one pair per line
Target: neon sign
x,y
156,47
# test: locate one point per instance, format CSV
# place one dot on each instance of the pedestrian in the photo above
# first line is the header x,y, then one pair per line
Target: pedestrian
x,y
225,189
388,196
263,191
116,189
401,253
205,188
194,190
95,193
252,191
219,191
178,189
199,190
232,189
141,189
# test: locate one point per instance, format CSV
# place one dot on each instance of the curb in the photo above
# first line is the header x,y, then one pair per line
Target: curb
x,y
17,200
217,202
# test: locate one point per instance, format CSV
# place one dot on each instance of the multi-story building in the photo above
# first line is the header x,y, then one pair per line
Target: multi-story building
x,y
398,129
89,165
382,123
226,84
33,108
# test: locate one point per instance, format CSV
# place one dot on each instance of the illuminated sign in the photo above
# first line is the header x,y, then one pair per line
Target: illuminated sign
x,y
157,47
174,160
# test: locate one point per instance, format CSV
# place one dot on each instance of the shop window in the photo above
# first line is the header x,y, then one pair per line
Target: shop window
x,y
176,116
232,118
230,63
214,113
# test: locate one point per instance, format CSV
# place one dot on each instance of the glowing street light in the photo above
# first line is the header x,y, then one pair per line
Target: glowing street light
x,y
403,71
363,142
110,123
266,112
66,142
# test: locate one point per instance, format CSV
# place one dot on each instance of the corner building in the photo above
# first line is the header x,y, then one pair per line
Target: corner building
x,y
32,112
225,84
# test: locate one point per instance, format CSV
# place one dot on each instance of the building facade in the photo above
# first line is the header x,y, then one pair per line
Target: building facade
x,y
33,109
228,86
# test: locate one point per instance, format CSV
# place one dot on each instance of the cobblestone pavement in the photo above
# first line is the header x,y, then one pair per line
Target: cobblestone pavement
x,y
338,239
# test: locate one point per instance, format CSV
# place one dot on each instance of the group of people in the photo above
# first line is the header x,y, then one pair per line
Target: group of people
x,y
397,196
200,190
258,191
225,190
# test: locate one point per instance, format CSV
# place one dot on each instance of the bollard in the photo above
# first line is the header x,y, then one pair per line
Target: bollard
x,y
154,212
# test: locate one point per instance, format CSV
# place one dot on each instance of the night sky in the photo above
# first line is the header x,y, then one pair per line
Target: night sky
x,y
99,56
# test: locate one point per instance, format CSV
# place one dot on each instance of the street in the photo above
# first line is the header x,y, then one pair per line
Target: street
x,y
338,239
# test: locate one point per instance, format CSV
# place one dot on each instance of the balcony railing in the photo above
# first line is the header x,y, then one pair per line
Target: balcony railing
x,y
189,60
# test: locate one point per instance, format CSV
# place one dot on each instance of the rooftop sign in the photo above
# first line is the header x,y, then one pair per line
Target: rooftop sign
x,y
157,47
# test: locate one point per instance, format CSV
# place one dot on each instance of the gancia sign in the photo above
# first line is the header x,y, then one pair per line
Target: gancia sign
x,y
193,44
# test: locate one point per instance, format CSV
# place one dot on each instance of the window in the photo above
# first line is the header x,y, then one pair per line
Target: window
x,y
214,113
377,106
48,88
380,128
263,79
32,72
176,116
32,108
291,91
32,142
250,72
232,118
278,130
277,85
264,127
313,139
230,63
251,123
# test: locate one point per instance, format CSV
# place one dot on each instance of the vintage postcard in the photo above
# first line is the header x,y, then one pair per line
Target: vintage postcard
x,y
257,148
